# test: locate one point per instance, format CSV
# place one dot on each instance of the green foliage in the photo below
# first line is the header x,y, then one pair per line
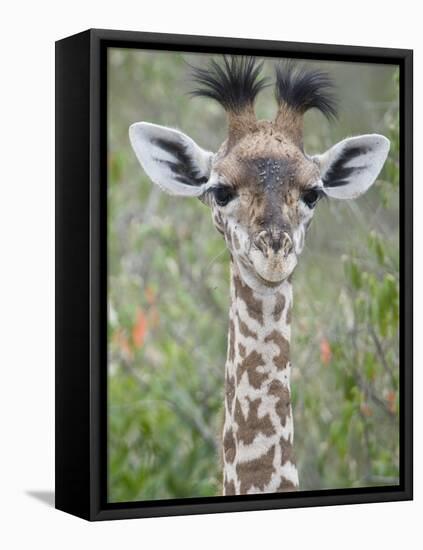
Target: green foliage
x,y
347,421
168,300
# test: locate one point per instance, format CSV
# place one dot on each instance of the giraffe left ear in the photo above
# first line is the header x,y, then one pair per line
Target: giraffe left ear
x,y
351,166
171,159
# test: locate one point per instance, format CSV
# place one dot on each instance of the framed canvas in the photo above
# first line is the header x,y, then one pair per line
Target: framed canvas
x,y
200,315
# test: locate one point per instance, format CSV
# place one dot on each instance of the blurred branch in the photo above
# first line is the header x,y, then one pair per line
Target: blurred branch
x,y
195,421
381,354
201,290
367,442
365,387
368,390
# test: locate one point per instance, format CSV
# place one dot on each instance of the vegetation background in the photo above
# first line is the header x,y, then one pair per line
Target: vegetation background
x,y
168,297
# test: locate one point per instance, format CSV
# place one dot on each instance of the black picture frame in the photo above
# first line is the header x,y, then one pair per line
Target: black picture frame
x,y
81,273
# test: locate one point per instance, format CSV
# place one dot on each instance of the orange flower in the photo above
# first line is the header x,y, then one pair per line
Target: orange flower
x,y
365,409
139,329
325,351
391,399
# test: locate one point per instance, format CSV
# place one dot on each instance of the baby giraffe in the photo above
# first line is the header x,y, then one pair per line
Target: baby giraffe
x,y
262,189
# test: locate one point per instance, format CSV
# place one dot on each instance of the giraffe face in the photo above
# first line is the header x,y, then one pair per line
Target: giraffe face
x,y
263,194
261,186
262,190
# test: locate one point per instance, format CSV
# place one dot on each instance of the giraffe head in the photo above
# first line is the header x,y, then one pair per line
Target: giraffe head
x,y
261,185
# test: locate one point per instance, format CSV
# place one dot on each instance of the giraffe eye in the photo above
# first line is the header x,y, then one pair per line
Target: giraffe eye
x,y
223,195
311,197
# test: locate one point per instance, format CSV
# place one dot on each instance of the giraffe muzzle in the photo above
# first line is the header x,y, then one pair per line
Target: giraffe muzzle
x,y
272,255
273,242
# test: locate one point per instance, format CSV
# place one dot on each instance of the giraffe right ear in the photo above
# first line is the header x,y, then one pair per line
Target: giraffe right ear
x,y
351,166
171,159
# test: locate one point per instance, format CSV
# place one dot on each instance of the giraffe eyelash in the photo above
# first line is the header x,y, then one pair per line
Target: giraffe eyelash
x,y
223,194
312,196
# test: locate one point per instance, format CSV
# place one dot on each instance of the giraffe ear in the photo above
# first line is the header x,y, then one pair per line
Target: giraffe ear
x,y
351,166
171,159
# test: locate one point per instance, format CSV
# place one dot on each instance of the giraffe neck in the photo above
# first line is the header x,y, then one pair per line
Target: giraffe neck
x,y
258,428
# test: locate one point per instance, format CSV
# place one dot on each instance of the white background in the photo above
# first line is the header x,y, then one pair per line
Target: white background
x,y
28,32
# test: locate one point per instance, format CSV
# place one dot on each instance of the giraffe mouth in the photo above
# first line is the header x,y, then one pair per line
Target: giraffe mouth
x,y
269,274
268,283
272,268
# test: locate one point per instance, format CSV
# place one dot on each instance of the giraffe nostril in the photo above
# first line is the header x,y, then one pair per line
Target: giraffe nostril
x,y
287,244
273,240
261,241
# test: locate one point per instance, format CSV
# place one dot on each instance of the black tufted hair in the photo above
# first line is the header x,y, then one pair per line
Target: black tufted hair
x,y
303,89
234,83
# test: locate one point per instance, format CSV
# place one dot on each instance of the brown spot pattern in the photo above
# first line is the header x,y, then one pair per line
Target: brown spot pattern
x,y
286,486
280,360
251,426
229,448
229,391
279,306
231,343
289,315
244,330
229,488
242,350
287,451
257,473
249,365
282,407
254,305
